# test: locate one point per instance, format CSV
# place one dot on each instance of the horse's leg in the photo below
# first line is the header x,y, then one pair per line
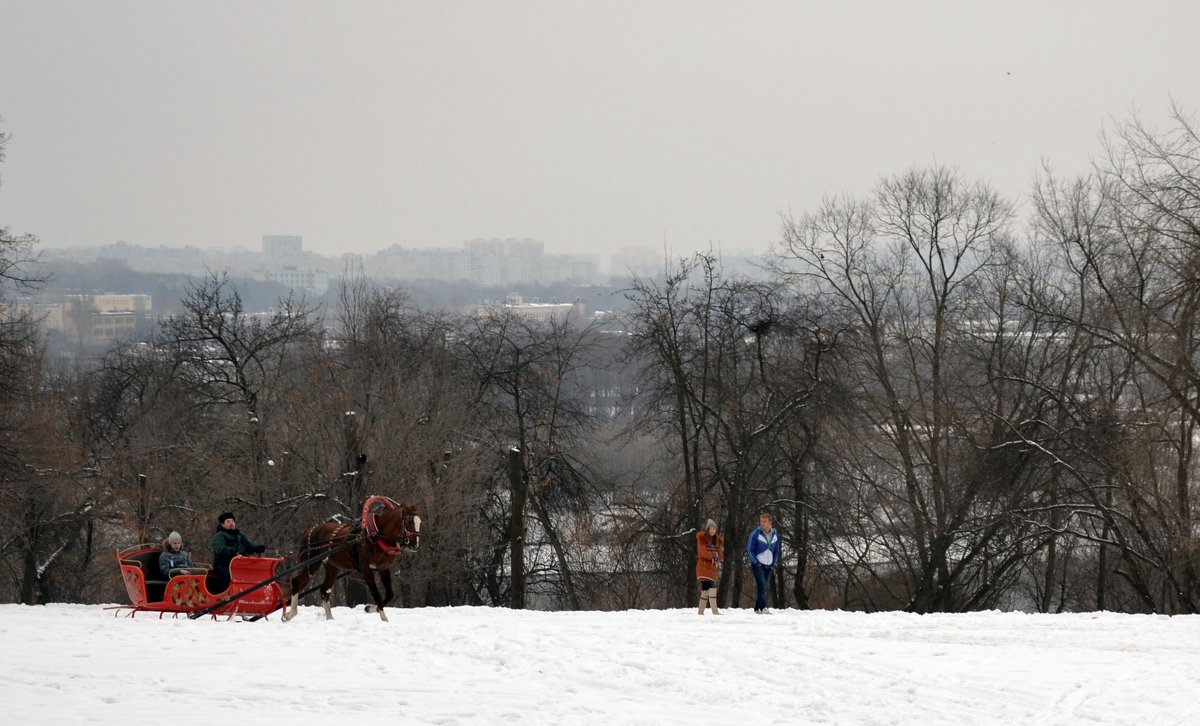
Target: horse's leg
x,y
386,576
369,576
311,544
299,582
293,607
331,576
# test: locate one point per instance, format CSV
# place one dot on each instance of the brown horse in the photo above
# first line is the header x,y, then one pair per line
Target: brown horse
x,y
369,547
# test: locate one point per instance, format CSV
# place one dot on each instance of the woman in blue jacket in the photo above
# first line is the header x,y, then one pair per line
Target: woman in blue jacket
x,y
763,551
173,557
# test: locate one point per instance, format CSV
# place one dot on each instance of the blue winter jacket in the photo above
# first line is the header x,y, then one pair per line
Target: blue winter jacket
x,y
763,548
169,560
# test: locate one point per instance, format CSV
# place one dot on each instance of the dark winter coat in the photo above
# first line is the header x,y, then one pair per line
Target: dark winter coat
x,y
228,543
710,552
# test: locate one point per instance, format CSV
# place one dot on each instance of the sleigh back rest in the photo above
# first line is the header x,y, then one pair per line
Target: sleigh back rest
x,y
139,568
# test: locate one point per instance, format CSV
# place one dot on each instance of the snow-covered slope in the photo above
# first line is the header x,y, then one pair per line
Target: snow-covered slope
x,y
78,664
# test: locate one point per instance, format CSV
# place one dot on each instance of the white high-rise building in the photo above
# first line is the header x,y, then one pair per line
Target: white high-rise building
x,y
278,247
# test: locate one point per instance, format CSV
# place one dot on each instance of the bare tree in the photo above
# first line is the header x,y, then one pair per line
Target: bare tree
x,y
42,506
731,370
401,393
18,330
1129,236
237,358
900,267
49,500
527,373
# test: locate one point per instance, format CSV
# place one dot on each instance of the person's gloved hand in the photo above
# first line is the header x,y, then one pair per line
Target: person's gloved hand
x,y
258,549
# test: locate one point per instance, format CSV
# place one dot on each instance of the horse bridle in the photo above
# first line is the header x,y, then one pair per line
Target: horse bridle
x,y
406,537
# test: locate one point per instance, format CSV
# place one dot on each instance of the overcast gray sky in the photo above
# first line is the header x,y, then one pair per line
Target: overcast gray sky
x,y
585,125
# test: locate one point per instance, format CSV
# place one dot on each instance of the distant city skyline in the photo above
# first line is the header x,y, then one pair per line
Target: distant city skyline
x,y
660,250
638,258
286,260
588,126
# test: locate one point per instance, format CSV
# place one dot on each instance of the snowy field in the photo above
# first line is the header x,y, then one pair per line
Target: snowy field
x,y
69,664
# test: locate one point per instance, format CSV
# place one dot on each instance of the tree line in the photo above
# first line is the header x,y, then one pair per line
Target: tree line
x,y
945,408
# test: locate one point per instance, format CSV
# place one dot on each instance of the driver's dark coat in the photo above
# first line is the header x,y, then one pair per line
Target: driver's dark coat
x,y
226,543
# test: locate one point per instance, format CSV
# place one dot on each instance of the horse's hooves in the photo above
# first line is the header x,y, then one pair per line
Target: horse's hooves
x,y
370,608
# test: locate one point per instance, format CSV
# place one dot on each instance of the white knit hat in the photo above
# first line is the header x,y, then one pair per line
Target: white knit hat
x,y
174,537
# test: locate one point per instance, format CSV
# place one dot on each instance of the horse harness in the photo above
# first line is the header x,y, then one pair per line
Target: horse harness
x,y
367,527
370,527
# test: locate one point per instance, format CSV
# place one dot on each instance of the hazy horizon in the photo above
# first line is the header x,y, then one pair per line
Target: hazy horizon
x,y
550,249
588,127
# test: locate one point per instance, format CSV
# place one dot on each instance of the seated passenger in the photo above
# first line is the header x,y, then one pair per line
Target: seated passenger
x,y
227,542
173,557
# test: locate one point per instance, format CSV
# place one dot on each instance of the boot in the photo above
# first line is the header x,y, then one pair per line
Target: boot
x,y
712,601
703,601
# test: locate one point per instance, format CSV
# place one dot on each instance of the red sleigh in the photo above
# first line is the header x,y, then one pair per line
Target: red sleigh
x,y
193,592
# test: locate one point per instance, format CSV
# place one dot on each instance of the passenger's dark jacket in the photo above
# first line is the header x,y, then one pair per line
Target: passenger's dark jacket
x,y
227,543
170,560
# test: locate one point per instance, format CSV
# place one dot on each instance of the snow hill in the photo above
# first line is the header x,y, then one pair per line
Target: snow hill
x,y
70,664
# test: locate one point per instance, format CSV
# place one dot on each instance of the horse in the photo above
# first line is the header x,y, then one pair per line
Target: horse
x,y
369,547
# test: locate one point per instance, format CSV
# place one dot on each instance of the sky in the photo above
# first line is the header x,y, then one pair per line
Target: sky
x,y
586,125
71,664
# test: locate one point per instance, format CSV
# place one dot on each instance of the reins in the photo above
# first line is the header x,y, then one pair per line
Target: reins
x,y
278,576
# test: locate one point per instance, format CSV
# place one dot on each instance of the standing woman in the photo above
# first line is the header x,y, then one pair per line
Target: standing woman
x,y
763,550
710,553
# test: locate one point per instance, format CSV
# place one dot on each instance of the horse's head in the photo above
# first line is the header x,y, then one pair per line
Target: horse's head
x,y
401,526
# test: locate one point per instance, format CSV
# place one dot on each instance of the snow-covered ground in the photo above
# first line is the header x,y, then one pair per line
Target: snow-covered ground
x,y
68,664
